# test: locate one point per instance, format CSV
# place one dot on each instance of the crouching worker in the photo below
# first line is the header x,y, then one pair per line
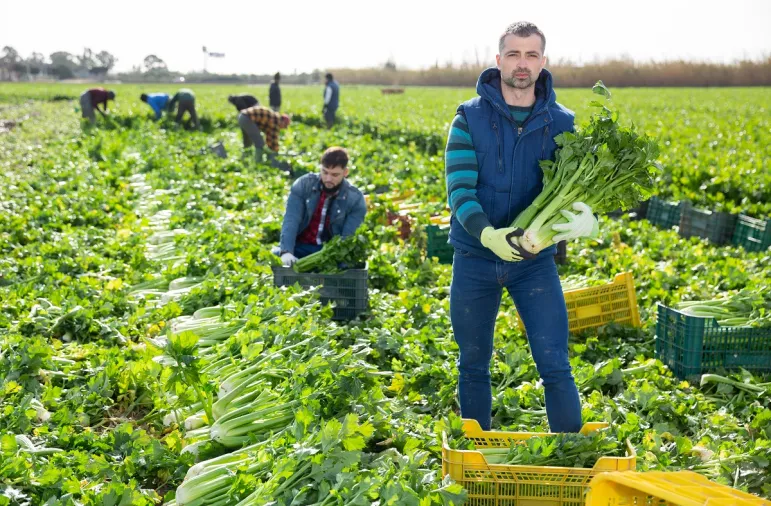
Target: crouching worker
x,y
321,206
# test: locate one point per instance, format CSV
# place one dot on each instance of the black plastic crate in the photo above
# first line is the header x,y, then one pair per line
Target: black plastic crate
x,y
691,345
663,214
718,227
752,234
346,291
437,243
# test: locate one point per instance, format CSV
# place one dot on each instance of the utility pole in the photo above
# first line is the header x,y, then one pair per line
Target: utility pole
x,y
205,54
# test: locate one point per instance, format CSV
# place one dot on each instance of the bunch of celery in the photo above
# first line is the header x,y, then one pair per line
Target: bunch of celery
x,y
603,165
745,308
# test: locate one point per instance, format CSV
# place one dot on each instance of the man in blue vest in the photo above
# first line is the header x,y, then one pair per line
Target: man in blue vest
x,y
495,143
331,100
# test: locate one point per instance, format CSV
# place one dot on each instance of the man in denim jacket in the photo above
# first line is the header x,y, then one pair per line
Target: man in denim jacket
x,y
319,207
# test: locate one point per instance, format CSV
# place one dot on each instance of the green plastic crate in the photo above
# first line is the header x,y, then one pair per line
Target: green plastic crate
x,y
346,291
752,234
663,214
718,227
639,212
691,346
437,243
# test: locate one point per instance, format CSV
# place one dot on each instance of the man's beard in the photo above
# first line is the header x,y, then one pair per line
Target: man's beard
x,y
520,84
333,189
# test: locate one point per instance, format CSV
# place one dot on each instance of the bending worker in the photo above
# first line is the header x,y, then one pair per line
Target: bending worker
x,y
242,102
321,206
495,143
92,99
186,100
257,119
157,101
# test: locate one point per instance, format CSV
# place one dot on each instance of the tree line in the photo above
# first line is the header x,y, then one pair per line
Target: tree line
x,y
58,65
65,65
617,72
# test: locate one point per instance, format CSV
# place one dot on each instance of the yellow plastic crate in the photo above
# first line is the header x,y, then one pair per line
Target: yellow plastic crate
x,y
439,220
597,305
509,485
657,488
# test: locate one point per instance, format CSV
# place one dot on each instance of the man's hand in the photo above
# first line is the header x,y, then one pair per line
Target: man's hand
x,y
504,243
581,225
513,239
288,259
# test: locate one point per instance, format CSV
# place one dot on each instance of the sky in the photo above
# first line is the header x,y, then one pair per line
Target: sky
x,y
290,36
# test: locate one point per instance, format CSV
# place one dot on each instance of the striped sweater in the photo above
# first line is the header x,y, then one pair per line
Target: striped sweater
x,y
462,171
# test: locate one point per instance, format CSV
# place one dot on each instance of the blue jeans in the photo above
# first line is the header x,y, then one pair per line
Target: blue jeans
x,y
303,250
475,297
329,117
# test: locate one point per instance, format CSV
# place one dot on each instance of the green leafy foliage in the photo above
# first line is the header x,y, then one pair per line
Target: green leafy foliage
x,y
559,450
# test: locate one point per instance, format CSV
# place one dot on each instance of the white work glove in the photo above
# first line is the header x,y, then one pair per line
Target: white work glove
x,y
288,259
504,243
581,225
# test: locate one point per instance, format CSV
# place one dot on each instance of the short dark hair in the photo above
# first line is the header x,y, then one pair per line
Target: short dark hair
x,y
335,157
277,76
111,95
143,97
522,29
329,77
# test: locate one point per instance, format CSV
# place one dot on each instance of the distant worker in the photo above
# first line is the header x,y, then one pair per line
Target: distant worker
x,y
243,101
320,206
331,100
261,119
275,93
91,99
186,100
157,101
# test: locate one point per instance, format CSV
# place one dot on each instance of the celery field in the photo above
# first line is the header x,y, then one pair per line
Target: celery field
x,y
147,358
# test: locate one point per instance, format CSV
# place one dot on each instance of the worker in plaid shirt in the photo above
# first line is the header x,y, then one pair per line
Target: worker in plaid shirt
x,y
261,119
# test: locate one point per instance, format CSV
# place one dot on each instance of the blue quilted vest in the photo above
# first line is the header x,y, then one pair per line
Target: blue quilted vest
x,y
334,101
509,175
